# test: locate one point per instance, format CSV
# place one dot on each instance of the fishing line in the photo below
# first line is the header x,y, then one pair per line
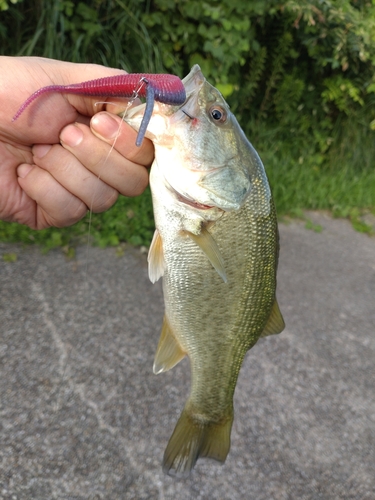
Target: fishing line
x,y
129,104
65,368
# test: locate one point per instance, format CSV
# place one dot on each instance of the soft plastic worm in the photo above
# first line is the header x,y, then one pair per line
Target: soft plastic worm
x,y
167,89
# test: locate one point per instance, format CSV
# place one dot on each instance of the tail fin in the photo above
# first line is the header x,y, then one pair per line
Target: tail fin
x,y
193,438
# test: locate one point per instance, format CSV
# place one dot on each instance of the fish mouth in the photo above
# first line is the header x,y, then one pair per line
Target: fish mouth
x,y
187,200
190,202
187,114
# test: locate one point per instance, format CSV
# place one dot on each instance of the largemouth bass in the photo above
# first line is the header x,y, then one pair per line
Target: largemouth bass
x,y
216,247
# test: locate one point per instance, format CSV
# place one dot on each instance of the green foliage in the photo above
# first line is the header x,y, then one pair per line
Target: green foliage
x,y
217,36
298,74
4,4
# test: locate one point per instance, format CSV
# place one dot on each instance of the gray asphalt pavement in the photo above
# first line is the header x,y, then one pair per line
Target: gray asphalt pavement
x,y
83,417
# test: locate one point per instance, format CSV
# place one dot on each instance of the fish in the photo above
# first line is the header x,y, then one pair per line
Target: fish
x,y
216,248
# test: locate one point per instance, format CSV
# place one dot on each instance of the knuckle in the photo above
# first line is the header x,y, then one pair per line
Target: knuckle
x,y
145,155
139,182
73,213
104,202
141,185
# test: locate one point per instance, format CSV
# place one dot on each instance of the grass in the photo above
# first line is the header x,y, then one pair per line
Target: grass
x,y
342,179
110,33
320,187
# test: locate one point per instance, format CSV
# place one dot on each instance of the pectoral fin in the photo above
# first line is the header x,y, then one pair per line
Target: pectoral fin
x,y
168,352
209,246
275,323
156,263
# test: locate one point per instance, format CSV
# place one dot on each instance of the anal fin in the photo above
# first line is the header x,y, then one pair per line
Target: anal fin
x,y
275,323
168,352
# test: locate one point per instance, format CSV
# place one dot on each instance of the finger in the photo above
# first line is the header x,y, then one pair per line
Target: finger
x,y
113,130
69,172
117,105
55,205
126,176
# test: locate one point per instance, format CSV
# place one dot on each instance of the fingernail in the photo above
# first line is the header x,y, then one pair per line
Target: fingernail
x,y
104,125
71,135
23,170
40,150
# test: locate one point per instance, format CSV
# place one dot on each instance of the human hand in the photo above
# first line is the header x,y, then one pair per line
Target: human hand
x,y
54,162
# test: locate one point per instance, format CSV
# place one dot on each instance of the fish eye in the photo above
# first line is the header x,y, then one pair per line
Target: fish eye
x,y
218,114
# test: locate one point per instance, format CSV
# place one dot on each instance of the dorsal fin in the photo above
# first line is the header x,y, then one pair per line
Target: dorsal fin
x,y
156,263
275,323
209,246
169,351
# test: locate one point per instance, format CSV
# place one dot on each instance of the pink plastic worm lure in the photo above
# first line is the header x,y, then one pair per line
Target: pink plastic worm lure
x,y
167,89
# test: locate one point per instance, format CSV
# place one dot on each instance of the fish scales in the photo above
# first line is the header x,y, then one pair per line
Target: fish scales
x,y
216,246
205,326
